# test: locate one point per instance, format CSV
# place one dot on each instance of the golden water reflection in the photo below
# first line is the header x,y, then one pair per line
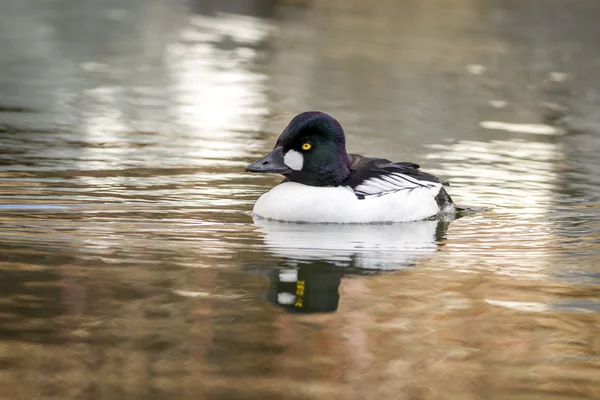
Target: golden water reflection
x,y
131,266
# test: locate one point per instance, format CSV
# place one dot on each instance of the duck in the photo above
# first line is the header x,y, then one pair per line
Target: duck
x,y
323,183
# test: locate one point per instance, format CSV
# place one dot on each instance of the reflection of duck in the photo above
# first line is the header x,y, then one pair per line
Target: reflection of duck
x,y
312,287
326,184
315,257
364,246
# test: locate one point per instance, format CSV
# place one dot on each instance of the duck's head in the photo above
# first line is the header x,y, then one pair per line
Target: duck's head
x,y
311,150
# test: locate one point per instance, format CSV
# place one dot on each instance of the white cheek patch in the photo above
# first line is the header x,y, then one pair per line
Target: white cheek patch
x,y
294,160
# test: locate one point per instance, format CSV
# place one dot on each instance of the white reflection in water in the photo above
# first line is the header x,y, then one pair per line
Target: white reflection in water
x,y
520,305
519,175
206,94
368,246
537,129
214,88
103,119
516,181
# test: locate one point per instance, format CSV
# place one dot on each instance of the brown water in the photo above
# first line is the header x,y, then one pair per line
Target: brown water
x,y
131,267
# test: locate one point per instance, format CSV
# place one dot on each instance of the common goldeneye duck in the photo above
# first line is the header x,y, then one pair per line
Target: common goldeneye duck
x,y
325,184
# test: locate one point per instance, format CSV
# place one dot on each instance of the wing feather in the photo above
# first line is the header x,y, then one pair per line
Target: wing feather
x,y
374,177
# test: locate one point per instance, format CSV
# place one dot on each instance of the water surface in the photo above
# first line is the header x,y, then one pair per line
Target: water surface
x,y
131,266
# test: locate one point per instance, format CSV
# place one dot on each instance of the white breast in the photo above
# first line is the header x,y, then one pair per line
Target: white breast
x,y
296,202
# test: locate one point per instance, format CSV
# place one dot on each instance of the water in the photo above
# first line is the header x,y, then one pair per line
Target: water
x,y
131,266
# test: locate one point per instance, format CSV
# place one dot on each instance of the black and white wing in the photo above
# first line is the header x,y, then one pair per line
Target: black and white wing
x,y
372,177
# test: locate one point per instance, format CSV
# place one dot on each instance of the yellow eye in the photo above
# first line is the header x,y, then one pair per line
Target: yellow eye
x,y
306,146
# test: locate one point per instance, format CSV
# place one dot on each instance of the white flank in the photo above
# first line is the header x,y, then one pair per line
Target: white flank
x,y
294,160
291,201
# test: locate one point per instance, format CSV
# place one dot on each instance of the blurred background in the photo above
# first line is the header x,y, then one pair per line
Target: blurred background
x,y
130,264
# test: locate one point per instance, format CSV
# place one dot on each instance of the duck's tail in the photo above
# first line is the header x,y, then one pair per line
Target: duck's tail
x,y
444,200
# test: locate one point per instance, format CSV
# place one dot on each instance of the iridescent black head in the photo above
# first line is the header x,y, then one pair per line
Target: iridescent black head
x,y
311,150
